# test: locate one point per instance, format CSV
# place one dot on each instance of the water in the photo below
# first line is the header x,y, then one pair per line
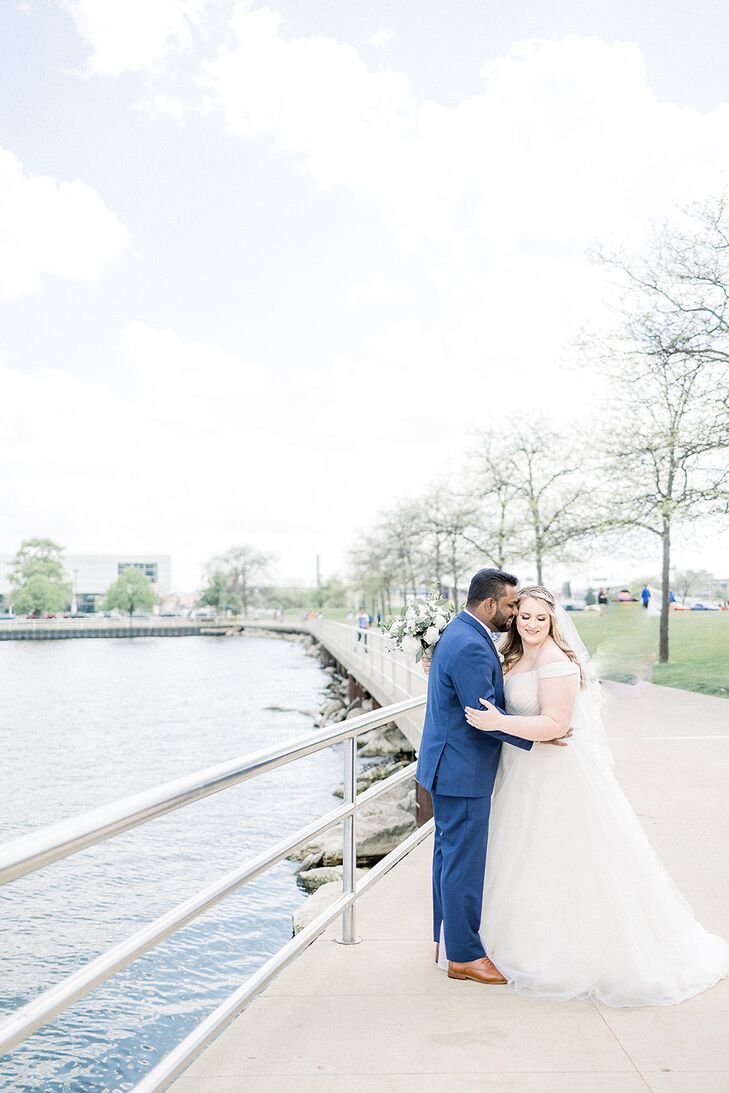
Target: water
x,y
88,721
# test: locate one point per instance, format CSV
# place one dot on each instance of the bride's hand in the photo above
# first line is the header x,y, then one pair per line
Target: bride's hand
x,y
488,719
425,662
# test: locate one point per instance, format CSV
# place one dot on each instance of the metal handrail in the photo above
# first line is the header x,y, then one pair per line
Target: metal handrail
x,y
181,1056
32,852
342,637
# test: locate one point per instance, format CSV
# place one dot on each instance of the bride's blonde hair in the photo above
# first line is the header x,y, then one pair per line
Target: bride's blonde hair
x,y
512,649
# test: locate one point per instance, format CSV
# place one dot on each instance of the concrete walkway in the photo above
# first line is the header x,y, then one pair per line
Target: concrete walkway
x,y
380,1017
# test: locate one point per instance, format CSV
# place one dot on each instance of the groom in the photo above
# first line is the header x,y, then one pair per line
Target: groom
x,y
457,765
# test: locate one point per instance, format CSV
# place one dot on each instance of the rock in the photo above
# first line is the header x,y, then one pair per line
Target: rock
x,y
309,858
386,741
315,904
381,825
312,879
374,774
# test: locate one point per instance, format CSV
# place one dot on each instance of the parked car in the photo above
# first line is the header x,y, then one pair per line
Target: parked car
x,y
6,616
203,613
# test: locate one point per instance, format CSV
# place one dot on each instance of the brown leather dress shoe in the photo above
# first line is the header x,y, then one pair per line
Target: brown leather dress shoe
x,y
481,971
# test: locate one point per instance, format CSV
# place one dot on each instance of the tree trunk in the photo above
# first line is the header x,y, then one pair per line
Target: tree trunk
x,y
540,562
665,592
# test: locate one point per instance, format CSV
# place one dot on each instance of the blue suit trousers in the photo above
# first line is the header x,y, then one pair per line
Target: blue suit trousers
x,y
459,866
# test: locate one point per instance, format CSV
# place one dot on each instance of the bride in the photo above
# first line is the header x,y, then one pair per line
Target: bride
x,y
576,902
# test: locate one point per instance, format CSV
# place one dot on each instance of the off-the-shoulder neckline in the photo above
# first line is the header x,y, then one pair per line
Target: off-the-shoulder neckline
x,y
531,671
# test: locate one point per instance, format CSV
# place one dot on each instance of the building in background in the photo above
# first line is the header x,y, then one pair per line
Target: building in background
x,y
90,575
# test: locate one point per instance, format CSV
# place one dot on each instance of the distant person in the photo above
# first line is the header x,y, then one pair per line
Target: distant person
x,y
602,597
646,595
671,596
379,617
363,625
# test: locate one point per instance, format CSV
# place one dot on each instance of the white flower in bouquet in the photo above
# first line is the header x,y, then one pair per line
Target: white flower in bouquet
x,y
411,645
418,628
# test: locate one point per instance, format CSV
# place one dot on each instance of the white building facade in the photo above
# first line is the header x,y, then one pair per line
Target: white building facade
x,y
90,575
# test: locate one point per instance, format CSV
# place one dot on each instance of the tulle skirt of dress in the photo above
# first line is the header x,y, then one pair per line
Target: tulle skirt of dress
x,y
576,902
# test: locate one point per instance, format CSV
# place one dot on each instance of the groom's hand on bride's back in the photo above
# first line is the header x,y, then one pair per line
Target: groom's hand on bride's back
x,y
560,741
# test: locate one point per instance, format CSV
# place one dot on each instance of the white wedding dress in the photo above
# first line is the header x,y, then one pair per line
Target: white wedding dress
x,y
576,902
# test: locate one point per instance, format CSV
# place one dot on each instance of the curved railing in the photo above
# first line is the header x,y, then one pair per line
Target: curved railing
x,y
39,849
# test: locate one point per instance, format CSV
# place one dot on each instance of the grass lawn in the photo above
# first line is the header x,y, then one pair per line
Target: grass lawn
x,y
624,644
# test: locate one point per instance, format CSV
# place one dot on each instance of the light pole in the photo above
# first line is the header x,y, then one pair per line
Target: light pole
x,y
74,598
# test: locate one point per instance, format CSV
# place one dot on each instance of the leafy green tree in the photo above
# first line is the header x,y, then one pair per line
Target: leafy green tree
x,y
40,595
131,591
333,593
219,595
37,578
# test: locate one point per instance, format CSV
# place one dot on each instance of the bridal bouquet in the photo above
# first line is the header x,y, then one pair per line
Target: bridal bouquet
x,y
418,627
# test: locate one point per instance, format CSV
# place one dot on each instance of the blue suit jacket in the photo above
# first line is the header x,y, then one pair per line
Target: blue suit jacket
x,y
455,759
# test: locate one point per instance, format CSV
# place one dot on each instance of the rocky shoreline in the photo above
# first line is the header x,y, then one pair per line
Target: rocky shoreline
x,y
382,824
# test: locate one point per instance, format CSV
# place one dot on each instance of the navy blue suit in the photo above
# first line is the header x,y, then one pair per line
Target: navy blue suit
x,y
457,764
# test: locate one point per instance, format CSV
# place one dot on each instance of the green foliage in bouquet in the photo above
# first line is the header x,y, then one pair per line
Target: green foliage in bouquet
x,y
418,627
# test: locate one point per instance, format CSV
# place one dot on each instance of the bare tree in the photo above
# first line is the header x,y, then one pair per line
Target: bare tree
x,y
404,535
684,583
448,517
373,571
541,502
663,459
682,282
494,529
669,361
244,570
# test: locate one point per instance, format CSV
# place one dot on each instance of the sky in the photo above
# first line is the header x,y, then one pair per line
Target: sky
x,y
266,270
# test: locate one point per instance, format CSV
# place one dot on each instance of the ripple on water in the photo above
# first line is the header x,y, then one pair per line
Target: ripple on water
x,y
84,722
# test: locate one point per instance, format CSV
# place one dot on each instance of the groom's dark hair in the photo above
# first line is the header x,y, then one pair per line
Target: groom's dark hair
x,y
489,584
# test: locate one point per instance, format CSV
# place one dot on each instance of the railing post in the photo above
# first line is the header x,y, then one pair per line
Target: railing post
x,y
349,847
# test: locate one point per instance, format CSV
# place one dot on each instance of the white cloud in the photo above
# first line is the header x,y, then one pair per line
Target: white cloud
x,y
565,139
51,229
134,35
312,96
383,37
380,289
163,106
206,449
